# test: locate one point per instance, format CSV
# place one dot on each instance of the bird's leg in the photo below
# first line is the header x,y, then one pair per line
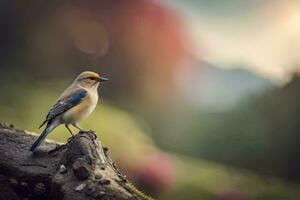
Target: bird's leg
x,y
76,126
69,130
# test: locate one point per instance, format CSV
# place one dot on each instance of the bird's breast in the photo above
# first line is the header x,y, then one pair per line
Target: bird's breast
x,y
81,111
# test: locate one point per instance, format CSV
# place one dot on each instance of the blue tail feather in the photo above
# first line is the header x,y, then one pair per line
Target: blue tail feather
x,y
41,138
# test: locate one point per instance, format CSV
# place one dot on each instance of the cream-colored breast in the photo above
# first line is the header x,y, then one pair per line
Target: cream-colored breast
x,y
82,110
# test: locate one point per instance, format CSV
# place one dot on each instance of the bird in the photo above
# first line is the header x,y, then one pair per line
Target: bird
x,y
74,104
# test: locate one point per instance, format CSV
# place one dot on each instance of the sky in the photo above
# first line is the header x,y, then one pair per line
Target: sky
x,y
262,36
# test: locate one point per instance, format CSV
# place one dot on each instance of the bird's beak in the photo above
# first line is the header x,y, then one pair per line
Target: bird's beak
x,y
102,79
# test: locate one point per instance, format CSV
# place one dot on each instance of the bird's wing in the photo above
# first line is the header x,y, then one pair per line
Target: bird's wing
x,y
65,104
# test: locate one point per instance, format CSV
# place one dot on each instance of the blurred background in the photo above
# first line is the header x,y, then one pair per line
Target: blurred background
x,y
204,97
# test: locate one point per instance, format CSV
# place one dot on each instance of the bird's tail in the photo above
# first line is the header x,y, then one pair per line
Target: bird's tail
x,y
50,126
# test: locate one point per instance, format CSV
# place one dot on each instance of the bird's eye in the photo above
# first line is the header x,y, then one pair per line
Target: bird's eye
x,y
92,78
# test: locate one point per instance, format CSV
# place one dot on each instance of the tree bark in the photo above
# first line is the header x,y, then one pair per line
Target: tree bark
x,y
80,169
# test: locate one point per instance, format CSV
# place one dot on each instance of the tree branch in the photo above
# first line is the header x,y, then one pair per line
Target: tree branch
x,y
80,169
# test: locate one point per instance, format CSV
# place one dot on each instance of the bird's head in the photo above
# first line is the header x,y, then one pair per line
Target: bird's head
x,y
89,80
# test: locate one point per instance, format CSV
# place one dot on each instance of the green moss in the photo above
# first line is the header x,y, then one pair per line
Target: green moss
x,y
141,194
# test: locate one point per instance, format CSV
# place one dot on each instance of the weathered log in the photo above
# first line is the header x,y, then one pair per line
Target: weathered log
x,y
80,169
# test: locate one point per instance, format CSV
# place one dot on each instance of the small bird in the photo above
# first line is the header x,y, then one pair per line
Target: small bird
x,y
76,103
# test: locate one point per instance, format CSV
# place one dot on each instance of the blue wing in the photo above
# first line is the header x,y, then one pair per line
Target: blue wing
x,y
65,104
